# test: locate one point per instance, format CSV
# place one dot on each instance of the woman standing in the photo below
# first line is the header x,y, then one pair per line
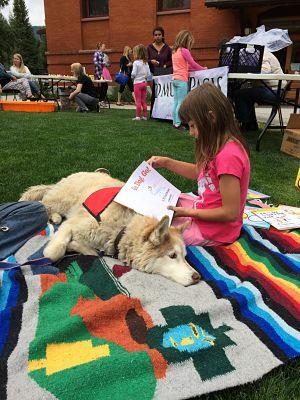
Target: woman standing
x,y
160,58
85,93
183,62
100,60
19,70
126,68
159,53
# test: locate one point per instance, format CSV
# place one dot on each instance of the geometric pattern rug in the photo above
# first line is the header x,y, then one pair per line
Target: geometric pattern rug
x,y
91,328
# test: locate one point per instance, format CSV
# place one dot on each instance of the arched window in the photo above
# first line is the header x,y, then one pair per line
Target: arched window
x,y
94,8
169,5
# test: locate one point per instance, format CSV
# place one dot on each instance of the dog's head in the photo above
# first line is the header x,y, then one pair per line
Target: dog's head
x,y
164,253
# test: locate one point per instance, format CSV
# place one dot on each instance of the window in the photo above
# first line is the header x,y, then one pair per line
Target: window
x,y
94,8
169,5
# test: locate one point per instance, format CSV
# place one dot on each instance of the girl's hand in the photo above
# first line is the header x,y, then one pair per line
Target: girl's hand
x,y
181,211
157,161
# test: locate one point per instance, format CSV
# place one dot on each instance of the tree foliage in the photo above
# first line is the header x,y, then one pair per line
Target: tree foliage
x,y
5,42
3,3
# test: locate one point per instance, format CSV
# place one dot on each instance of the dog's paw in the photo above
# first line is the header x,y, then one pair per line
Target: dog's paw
x,y
56,218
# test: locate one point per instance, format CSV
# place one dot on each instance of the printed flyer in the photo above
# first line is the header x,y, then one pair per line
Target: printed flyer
x,y
148,193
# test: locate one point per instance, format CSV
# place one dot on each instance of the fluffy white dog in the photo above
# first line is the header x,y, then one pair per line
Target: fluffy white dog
x,y
144,243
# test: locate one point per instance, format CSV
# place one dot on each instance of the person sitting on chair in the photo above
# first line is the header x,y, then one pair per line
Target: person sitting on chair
x,y
10,82
245,98
19,70
85,93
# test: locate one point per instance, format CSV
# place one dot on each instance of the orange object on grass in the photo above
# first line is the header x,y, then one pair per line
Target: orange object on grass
x,y
27,106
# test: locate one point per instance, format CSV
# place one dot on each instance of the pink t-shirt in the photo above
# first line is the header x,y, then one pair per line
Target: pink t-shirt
x,y
183,62
232,159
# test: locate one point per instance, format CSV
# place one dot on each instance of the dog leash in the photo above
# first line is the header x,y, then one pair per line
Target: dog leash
x,y
117,241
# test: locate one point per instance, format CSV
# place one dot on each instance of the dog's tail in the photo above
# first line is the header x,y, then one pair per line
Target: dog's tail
x,y
35,193
58,244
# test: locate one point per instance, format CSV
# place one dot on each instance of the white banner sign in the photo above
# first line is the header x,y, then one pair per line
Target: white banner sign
x,y
164,94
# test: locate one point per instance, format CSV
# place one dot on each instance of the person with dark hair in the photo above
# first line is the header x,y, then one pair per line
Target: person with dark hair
x,y
222,170
159,53
85,93
159,57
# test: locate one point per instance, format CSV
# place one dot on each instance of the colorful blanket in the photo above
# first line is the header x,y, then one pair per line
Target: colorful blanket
x,y
89,328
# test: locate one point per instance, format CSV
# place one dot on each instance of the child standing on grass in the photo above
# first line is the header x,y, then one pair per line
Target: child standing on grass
x,y
140,73
222,170
183,62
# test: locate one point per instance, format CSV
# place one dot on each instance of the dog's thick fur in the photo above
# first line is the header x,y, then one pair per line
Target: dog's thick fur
x,y
147,244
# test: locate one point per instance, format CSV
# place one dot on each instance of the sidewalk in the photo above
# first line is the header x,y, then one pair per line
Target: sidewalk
x,y
262,113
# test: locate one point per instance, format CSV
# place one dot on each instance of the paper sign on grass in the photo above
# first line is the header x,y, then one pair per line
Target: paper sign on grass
x,y
148,193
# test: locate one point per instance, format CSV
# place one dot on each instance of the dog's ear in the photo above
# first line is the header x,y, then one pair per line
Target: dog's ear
x,y
181,228
160,232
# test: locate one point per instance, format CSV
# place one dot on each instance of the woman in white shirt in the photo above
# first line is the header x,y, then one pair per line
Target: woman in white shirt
x,y
19,70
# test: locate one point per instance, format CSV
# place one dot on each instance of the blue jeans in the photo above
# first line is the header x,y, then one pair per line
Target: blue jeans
x,y
180,91
19,221
245,99
34,87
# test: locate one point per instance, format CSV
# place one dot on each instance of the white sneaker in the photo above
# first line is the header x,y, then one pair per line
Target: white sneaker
x,y
136,119
144,118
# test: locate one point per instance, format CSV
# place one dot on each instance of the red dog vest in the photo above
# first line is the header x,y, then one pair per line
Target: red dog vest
x,y
97,202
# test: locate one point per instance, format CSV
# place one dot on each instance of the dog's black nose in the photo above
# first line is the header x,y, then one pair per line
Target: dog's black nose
x,y
196,277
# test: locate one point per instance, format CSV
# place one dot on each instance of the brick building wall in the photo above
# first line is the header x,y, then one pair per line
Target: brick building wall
x,y
71,38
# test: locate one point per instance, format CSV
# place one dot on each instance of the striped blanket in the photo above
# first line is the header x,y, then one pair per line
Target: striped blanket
x,y
90,328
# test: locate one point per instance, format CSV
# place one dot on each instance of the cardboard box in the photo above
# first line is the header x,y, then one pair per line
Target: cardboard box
x,y
291,138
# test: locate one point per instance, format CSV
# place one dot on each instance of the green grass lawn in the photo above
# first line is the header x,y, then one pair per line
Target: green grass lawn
x,y
42,148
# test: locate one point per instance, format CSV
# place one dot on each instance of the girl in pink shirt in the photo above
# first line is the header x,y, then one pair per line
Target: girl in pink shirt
x,y
222,170
183,62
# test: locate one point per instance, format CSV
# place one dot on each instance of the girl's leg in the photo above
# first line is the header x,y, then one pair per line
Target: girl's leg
x,y
144,99
138,99
182,90
119,99
192,235
175,90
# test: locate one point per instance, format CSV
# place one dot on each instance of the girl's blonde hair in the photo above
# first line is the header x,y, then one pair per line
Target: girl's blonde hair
x,y
140,53
213,115
78,70
21,68
183,39
126,51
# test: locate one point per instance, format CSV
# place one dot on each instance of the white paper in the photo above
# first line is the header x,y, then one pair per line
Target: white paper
x,y
148,193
